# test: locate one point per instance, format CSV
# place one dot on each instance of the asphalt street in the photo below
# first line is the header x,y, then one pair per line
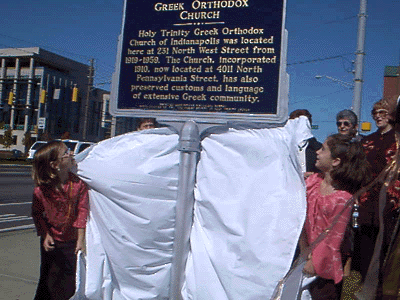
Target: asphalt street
x,y
16,187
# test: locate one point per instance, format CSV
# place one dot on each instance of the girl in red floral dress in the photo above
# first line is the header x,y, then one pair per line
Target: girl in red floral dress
x,y
59,211
344,169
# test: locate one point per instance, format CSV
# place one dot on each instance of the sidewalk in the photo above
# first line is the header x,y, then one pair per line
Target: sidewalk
x,y
19,264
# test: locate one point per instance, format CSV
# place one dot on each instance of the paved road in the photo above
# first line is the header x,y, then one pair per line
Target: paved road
x,y
15,170
16,187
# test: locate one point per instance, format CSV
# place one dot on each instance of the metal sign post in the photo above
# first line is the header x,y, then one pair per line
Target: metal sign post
x,y
189,146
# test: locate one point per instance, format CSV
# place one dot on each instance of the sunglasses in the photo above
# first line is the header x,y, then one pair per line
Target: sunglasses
x,y
67,154
345,123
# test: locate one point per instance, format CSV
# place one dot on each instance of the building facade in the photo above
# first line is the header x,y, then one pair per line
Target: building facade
x,y
48,96
391,85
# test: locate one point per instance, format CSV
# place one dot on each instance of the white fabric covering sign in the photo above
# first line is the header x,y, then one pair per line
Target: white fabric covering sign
x,y
133,180
249,210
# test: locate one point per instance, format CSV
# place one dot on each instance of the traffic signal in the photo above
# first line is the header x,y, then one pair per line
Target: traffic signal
x,y
366,126
43,96
75,94
10,98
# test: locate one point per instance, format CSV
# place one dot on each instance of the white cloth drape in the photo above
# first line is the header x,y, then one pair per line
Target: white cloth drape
x,y
133,182
249,210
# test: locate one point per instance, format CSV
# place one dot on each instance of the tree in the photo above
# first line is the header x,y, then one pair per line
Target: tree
x,y
27,141
7,139
45,137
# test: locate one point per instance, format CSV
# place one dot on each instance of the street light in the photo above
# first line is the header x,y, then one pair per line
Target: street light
x,y
341,82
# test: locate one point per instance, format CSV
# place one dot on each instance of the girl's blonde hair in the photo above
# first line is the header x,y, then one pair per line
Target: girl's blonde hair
x,y
42,172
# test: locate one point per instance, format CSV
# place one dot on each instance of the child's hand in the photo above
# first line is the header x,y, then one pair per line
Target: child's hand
x,y
307,174
80,245
309,268
48,243
80,242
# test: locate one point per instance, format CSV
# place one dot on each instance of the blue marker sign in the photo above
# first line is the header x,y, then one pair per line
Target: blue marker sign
x,y
204,60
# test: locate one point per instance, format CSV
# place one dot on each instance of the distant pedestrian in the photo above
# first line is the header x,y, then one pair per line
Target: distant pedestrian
x,y
347,124
307,149
59,211
146,123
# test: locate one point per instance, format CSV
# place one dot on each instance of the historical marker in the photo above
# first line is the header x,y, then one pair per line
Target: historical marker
x,y
203,60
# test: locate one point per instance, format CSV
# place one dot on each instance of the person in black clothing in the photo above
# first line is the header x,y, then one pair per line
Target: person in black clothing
x,y
380,148
310,146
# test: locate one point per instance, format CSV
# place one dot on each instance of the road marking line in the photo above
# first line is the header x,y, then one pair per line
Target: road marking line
x,y
23,218
15,173
5,166
17,228
8,215
16,203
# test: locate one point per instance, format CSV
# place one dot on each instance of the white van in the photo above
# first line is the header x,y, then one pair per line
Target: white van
x,y
73,145
34,148
76,146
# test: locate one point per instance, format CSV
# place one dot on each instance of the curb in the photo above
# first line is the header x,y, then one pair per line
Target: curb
x,y
17,228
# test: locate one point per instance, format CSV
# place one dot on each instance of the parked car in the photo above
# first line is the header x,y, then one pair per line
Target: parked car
x,y
13,154
77,146
34,148
73,145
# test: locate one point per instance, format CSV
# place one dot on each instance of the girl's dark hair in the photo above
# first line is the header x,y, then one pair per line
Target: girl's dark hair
x,y
42,172
353,172
140,121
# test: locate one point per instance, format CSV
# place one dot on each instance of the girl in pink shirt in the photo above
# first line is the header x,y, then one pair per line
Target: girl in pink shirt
x,y
344,169
59,211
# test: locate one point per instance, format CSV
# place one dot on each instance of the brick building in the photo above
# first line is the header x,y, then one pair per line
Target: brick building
x,y
391,85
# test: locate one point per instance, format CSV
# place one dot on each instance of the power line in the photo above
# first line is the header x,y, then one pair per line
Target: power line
x,y
319,59
340,20
319,23
316,97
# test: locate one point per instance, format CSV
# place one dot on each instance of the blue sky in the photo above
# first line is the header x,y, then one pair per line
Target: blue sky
x,y
318,31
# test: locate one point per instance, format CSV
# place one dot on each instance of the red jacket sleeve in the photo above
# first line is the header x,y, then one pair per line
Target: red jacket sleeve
x,y
82,206
38,213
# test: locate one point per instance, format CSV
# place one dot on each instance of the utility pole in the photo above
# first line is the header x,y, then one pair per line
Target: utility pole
x,y
87,100
359,63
